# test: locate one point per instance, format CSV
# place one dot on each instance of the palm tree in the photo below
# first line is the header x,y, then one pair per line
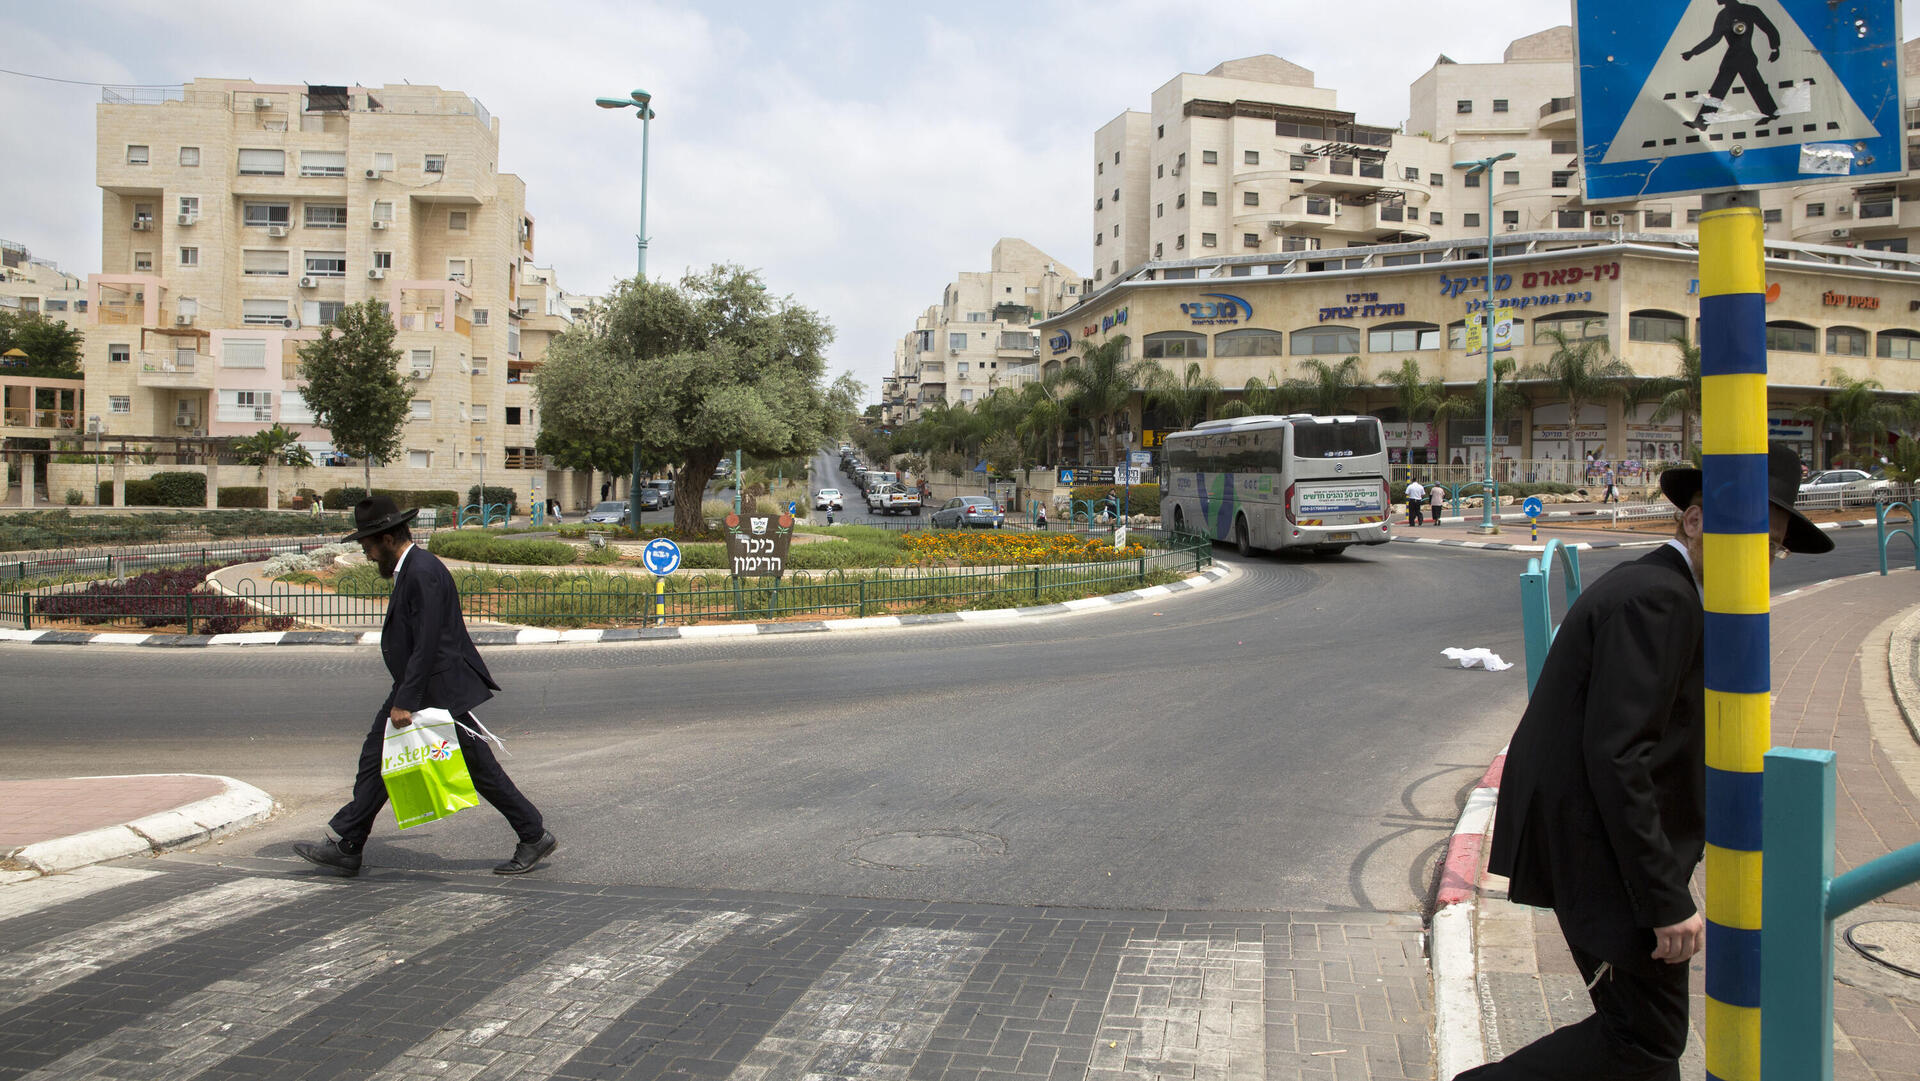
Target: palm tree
x,y
1103,382
1414,393
1329,388
1044,417
1856,407
1678,393
1189,397
1582,370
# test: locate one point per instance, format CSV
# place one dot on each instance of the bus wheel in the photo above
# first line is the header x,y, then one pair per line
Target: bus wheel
x,y
1240,540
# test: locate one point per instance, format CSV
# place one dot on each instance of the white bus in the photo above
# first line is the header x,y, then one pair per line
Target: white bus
x,y
1297,481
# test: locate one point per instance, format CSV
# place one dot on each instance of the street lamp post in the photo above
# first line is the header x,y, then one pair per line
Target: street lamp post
x,y
480,451
642,103
1484,167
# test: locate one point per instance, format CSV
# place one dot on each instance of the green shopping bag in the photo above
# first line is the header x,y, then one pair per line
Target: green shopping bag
x,y
424,769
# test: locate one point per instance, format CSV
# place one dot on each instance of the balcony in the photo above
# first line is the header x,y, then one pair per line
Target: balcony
x,y
1557,115
60,419
432,320
525,458
164,371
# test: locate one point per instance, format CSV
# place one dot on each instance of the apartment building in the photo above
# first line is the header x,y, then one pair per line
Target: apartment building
x,y
239,218
980,336
37,286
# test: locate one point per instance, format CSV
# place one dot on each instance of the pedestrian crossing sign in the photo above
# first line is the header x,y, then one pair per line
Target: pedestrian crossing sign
x,y
1686,96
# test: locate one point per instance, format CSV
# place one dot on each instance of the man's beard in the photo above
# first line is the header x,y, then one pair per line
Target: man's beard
x,y
387,562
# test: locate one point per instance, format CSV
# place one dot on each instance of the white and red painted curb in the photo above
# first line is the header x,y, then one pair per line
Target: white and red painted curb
x,y
1458,1040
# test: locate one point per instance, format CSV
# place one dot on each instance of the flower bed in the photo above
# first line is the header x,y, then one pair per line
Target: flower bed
x,y
162,598
1009,548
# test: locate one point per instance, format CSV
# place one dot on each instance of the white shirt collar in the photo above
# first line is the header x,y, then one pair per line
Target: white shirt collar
x,y
1687,558
402,561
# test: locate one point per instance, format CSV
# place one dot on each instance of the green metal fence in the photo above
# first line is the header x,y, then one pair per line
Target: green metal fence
x,y
571,600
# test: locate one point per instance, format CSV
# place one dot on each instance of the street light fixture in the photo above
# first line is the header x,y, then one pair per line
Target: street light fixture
x,y
1484,167
642,103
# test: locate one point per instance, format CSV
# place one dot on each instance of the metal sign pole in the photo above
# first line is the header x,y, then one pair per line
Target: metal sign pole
x,y
1737,555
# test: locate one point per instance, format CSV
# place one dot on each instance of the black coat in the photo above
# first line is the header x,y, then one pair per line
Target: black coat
x,y
425,643
1602,811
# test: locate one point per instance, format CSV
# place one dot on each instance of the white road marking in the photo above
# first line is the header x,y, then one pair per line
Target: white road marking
x,y
48,890
1184,1008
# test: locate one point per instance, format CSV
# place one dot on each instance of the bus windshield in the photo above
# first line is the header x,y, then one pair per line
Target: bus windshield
x,y
1338,439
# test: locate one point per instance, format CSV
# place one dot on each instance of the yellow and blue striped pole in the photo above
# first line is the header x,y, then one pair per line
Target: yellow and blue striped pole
x,y
1733,386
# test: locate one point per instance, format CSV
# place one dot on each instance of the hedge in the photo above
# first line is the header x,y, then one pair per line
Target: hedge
x,y
495,494
163,490
254,496
477,546
405,498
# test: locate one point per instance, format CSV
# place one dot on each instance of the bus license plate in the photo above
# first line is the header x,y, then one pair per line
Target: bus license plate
x,y
1340,536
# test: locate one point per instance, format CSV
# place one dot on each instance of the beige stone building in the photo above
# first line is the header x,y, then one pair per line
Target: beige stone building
x,y
30,285
980,336
240,217
1246,222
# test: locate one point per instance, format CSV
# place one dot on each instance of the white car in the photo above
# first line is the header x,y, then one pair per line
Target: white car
x,y
827,499
1843,487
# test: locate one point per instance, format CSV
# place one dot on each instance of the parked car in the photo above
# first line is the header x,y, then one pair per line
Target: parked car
x,y
665,488
968,510
893,499
652,499
827,499
611,512
1844,487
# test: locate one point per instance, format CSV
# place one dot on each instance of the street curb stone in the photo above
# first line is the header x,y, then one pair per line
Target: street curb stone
x,y
1501,546
528,636
239,805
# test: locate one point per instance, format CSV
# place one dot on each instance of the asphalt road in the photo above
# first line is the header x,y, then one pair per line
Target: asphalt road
x,y
1292,739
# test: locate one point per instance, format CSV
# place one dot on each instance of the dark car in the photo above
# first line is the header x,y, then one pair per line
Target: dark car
x,y
611,512
968,510
651,499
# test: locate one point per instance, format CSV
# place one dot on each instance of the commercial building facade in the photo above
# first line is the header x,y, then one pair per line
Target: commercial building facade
x,y
1246,222
239,218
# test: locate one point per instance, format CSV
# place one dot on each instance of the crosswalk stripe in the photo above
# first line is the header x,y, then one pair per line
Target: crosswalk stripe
x,y
208,1026
60,961
872,1012
23,898
1183,1007
532,1024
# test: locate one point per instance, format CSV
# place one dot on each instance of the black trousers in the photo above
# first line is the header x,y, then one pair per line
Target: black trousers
x,y
1413,512
354,822
1637,1031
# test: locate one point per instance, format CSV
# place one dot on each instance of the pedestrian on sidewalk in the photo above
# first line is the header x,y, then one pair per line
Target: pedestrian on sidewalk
x,y
425,644
1416,497
1602,810
1611,495
1438,495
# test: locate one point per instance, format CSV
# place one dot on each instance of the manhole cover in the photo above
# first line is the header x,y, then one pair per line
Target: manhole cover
x,y
923,850
1893,943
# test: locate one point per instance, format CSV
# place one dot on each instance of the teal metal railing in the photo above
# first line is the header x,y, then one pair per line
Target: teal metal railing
x,y
473,515
1801,900
1461,491
1536,602
1880,512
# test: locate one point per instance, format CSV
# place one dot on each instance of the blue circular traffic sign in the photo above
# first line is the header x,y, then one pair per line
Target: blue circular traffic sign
x,y
661,556
1532,506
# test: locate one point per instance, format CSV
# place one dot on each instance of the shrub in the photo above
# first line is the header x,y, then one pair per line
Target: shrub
x,y
288,562
476,546
601,557
1144,495
75,497
158,598
180,489
405,498
253,496
495,494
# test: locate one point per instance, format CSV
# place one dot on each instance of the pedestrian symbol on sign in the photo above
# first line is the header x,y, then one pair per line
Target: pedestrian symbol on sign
x,y
1735,26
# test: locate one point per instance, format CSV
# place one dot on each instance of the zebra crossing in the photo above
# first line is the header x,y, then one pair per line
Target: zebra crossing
x,y
181,969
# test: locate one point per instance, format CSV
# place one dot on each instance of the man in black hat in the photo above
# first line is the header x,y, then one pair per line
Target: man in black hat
x,y
1602,812
425,644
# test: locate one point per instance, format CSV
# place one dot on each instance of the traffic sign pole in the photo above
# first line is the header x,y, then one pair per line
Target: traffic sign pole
x,y
1733,384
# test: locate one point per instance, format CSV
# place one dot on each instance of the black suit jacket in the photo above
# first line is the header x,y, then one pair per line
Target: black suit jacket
x,y
1602,811
425,643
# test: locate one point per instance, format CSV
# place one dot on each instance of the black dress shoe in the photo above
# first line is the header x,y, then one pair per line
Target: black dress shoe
x,y
329,854
527,856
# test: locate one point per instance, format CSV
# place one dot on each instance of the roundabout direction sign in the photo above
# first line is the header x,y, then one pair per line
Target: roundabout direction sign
x,y
1532,507
661,556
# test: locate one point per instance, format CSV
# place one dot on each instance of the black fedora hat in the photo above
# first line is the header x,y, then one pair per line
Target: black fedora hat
x,y
377,514
1783,484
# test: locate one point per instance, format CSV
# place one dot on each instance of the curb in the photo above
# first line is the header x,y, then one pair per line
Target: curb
x,y
202,820
1902,670
529,636
1499,546
1459,1042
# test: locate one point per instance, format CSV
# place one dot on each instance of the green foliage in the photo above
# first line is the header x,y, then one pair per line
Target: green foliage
x,y
75,497
1327,389
404,498
353,384
46,529
690,372
52,347
178,489
249,496
1582,370
478,546
277,443
601,557
1144,495
496,493
1186,398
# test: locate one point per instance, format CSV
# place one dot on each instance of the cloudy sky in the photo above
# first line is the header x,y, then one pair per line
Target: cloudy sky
x,y
860,153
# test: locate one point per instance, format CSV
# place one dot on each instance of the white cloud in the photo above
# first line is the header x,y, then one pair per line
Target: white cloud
x,y
860,153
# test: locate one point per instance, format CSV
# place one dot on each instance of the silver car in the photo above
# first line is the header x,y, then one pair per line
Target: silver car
x,y
968,510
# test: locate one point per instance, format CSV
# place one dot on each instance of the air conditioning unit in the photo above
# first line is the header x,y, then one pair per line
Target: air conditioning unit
x,y
183,320
290,324
1616,219
420,373
141,225
276,230
1843,208
184,420
308,283
1841,234
479,371
373,174
188,219
1175,171
378,225
376,273
262,103
1513,227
